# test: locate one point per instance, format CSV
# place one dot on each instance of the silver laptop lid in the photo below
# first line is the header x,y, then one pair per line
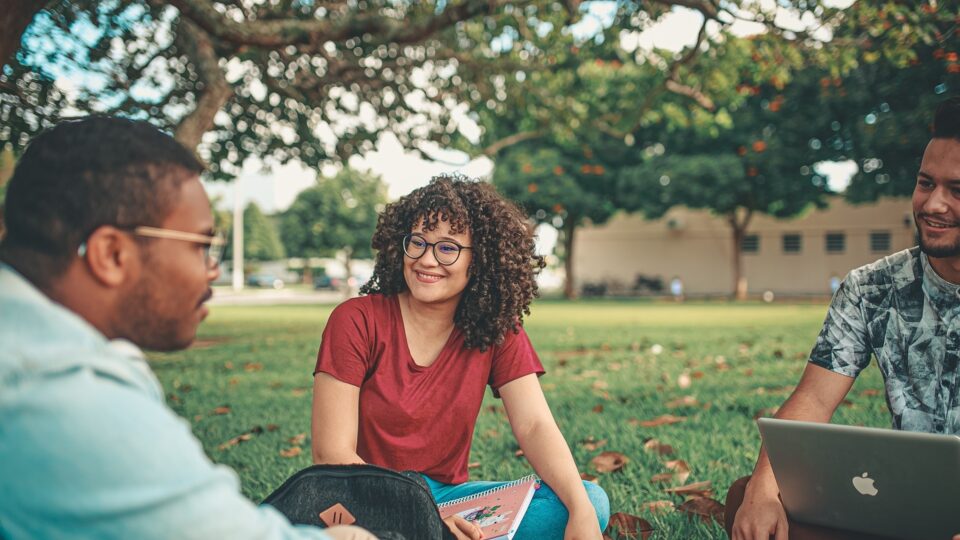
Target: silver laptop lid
x,y
879,481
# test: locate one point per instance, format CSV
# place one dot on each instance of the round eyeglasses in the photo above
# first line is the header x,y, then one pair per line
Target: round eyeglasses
x,y
446,252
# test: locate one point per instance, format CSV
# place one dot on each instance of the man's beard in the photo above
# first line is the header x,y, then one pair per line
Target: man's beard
x,y
150,320
937,252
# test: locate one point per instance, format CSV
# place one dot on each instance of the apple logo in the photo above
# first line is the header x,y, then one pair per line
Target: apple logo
x,y
864,485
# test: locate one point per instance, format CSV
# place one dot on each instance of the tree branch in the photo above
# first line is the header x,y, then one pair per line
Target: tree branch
x,y
708,8
14,19
516,138
215,89
681,89
282,32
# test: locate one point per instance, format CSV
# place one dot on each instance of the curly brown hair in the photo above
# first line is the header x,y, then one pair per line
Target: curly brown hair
x,y
505,263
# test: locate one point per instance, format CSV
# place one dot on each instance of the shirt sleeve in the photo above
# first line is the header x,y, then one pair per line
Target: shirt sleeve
x,y
513,359
92,457
842,346
345,350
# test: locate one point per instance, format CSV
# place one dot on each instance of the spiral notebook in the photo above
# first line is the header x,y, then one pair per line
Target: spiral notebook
x,y
496,511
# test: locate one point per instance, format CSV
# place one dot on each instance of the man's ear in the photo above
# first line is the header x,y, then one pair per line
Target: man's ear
x,y
112,256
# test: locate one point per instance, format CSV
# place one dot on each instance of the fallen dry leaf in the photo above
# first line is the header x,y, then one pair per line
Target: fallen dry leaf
x,y
609,462
235,441
600,385
223,409
629,526
705,508
253,366
518,453
297,392
658,447
588,477
680,469
657,506
697,374
871,392
298,438
590,444
291,452
272,427
597,409
473,465
663,420
661,477
685,401
697,489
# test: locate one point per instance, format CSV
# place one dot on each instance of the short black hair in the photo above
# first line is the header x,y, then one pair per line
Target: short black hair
x,y
80,175
946,121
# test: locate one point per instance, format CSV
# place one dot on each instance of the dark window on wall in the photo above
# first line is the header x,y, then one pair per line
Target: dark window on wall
x,y
836,242
880,241
792,243
751,244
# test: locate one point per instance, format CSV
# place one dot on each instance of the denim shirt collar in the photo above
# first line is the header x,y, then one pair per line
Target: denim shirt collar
x,y
42,338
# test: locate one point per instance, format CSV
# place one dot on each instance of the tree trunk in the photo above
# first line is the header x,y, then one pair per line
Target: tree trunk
x,y
738,225
569,291
215,90
14,19
347,263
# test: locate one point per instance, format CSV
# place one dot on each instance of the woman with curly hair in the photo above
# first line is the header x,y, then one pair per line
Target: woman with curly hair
x,y
402,371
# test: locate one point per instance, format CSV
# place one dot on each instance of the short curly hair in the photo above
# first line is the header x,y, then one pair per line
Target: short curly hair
x,y
505,263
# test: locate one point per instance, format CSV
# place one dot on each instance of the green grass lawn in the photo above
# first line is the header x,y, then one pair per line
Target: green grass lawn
x,y
610,366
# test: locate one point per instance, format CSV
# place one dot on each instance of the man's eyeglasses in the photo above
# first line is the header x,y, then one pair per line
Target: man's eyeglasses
x,y
213,245
446,252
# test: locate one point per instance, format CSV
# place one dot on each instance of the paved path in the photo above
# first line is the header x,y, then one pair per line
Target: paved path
x,y
226,296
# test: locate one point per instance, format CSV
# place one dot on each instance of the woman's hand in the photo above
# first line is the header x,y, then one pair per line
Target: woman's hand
x,y
348,532
583,526
463,529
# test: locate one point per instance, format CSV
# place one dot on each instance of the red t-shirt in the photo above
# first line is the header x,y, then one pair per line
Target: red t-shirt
x,y
414,417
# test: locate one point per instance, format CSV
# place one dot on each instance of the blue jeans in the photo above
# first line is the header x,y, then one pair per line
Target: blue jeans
x,y
546,518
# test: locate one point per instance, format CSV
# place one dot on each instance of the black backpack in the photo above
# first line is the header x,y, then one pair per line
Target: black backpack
x,y
389,504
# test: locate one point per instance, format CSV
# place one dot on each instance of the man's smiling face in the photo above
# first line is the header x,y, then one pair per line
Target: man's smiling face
x,y
936,199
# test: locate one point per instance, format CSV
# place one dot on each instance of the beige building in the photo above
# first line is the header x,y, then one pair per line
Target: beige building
x,y
789,257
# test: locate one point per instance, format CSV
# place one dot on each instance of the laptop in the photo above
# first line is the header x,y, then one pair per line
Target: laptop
x,y
880,481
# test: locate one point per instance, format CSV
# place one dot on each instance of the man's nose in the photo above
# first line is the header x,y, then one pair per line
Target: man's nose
x,y
213,272
936,203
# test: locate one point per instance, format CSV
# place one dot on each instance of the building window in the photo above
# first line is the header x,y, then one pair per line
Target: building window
x,y
836,242
792,243
880,241
751,244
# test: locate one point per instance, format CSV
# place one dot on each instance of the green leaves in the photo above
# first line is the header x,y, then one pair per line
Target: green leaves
x,y
338,213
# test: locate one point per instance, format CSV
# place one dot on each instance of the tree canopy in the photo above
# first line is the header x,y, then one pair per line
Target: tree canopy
x,y
338,214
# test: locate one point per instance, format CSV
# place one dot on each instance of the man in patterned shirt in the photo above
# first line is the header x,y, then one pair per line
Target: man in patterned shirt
x,y
903,309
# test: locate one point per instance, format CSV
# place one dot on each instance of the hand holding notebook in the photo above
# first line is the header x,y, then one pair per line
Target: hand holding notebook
x,y
496,511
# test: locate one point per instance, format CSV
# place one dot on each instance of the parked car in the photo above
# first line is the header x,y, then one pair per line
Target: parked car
x,y
323,281
265,280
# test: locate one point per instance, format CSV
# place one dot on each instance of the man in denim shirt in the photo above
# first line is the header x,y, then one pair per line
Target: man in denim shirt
x,y
902,309
109,248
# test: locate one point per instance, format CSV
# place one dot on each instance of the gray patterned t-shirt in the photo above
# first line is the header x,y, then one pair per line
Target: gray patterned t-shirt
x,y
906,315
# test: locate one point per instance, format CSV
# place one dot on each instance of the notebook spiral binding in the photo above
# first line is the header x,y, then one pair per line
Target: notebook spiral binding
x,y
486,492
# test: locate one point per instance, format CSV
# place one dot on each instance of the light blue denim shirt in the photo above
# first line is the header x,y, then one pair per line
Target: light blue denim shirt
x,y
88,449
